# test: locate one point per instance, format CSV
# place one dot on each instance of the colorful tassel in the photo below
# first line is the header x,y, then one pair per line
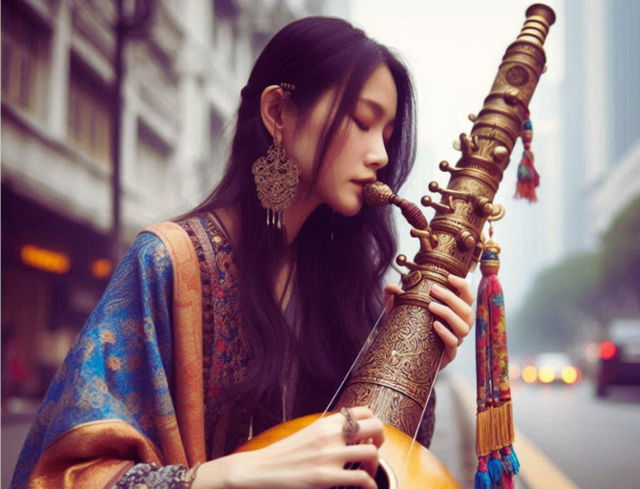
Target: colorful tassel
x,y
509,453
528,177
497,459
495,468
482,479
507,481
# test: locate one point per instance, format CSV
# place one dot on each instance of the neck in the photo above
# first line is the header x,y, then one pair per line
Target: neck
x,y
294,218
296,215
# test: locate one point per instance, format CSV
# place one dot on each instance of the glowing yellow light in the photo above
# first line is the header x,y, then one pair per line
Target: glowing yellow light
x,y
101,268
529,374
546,375
44,259
569,375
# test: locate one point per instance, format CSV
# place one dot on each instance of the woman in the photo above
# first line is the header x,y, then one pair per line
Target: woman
x,y
289,267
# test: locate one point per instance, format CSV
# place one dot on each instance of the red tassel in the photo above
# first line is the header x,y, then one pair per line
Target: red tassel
x,y
507,481
528,177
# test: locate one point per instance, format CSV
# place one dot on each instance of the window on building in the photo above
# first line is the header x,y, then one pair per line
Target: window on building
x,y
25,42
152,163
226,30
89,113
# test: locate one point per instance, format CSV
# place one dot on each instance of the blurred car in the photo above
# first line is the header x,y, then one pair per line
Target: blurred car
x,y
619,362
551,367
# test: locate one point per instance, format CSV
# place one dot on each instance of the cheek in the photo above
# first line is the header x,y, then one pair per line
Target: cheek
x,y
301,150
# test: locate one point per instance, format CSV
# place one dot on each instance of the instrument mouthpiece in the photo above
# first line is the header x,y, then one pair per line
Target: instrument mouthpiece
x,y
377,193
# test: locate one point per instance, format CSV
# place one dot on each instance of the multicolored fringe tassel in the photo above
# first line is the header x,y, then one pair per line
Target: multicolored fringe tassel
x,y
528,177
497,460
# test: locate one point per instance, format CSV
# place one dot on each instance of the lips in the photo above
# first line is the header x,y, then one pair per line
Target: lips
x,y
363,181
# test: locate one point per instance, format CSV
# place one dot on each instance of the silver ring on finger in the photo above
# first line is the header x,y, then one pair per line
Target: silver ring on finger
x,y
351,426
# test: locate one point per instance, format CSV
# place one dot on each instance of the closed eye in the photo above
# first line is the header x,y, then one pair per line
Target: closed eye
x,y
361,125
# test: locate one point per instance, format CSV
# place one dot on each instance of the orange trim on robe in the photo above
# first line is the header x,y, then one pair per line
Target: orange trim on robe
x,y
95,454
92,454
187,338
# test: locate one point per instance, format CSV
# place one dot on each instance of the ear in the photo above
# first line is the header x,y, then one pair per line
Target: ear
x,y
272,111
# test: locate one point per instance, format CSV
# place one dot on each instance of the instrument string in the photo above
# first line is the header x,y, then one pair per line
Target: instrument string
x,y
364,348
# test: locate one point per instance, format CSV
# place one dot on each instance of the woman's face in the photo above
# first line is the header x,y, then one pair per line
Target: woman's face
x,y
358,150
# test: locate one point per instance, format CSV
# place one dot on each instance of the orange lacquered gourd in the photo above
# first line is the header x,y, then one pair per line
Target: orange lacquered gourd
x,y
408,465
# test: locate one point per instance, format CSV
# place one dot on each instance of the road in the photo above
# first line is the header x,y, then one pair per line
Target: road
x,y
593,441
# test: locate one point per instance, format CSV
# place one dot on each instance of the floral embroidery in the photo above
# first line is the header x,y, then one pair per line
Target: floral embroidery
x,y
226,354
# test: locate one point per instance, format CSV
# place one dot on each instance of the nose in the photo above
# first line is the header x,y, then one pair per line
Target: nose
x,y
377,156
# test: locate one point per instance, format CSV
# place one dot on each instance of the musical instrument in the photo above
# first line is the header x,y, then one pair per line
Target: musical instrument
x,y
396,374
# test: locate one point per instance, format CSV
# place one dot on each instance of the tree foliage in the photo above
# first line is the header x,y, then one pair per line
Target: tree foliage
x,y
596,286
562,296
620,252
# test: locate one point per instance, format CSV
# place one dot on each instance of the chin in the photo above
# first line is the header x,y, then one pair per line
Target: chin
x,y
348,209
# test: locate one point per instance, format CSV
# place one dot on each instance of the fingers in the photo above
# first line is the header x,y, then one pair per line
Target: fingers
x,y
457,303
463,288
458,326
358,478
362,412
365,454
456,312
370,427
451,342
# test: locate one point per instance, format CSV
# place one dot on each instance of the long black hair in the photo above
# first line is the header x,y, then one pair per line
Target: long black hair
x,y
340,260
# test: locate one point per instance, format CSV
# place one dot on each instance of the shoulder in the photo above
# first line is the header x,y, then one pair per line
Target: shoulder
x,y
148,252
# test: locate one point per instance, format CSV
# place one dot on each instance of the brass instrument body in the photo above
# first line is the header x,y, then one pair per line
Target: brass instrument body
x,y
398,370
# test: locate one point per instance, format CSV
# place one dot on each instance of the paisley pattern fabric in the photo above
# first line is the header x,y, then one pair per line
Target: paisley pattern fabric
x,y
118,372
118,380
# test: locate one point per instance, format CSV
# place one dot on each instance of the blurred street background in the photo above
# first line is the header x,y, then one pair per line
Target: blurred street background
x,y
117,114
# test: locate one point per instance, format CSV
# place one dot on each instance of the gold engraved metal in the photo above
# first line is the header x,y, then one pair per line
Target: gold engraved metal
x,y
397,372
517,76
276,177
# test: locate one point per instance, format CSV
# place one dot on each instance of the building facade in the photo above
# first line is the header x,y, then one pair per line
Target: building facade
x,y
602,147
185,62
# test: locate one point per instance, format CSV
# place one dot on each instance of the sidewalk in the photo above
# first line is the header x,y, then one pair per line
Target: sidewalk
x,y
537,471
454,436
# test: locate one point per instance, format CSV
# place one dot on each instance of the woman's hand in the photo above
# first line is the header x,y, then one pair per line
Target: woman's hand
x,y
455,310
313,458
